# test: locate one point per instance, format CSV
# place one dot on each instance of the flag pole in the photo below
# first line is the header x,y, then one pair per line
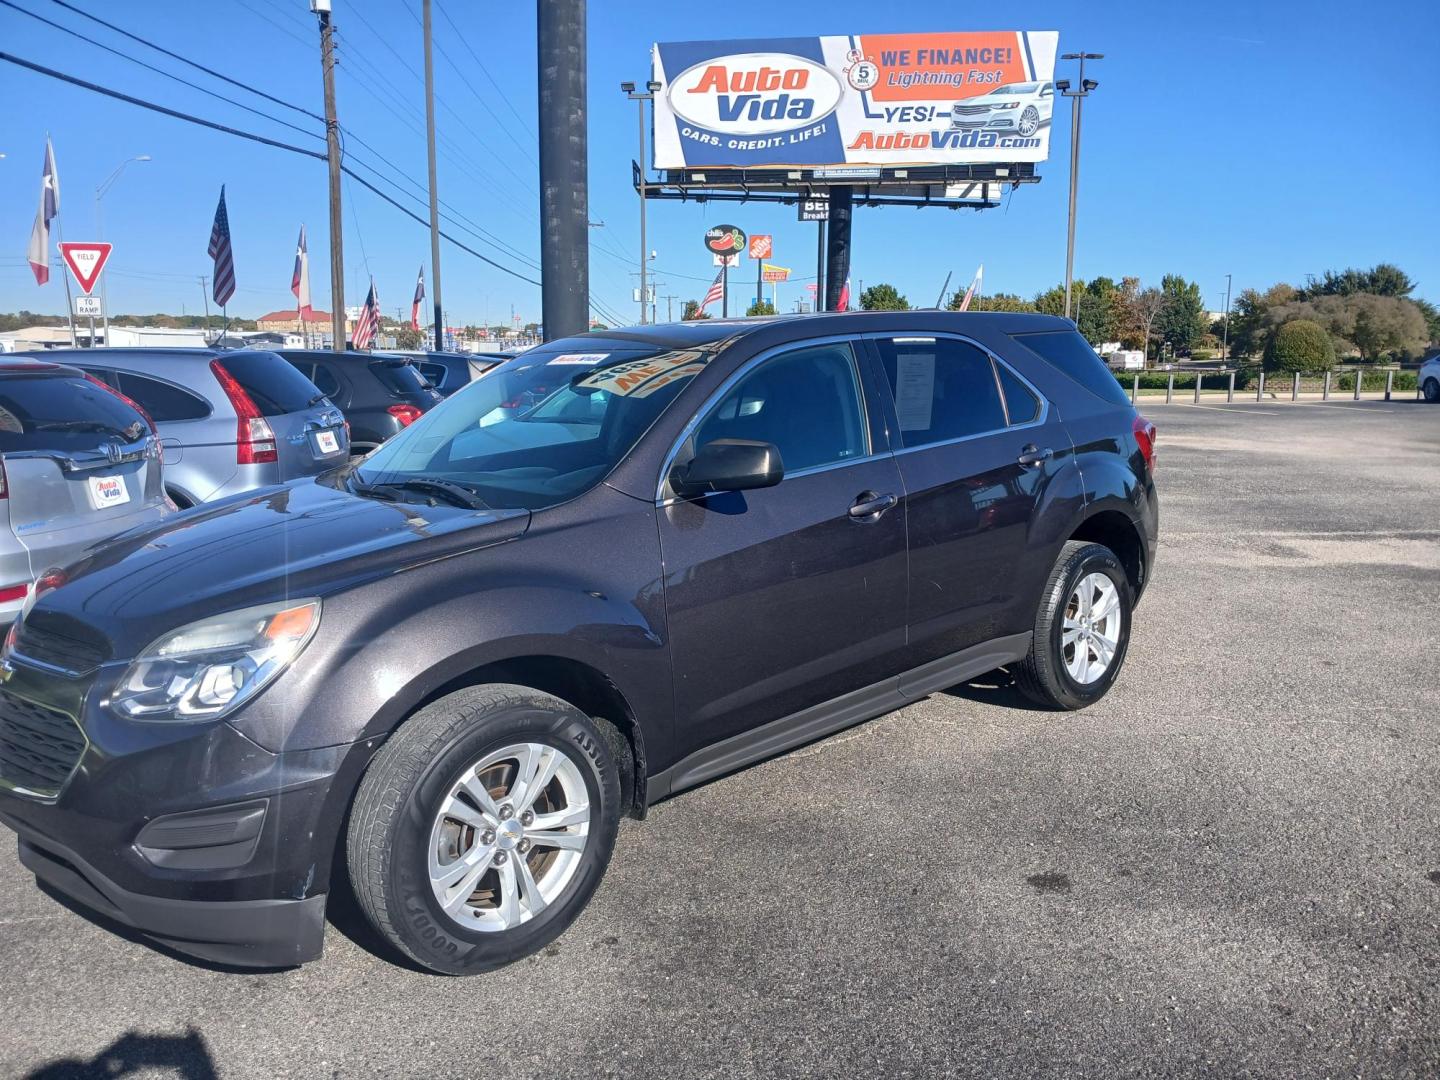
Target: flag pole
x,y
69,304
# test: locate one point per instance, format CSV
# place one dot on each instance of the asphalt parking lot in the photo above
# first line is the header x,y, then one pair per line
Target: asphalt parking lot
x,y
1229,867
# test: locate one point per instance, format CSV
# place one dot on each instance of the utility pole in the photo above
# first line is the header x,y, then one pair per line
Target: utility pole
x,y
629,90
1225,341
564,175
205,295
670,307
1075,96
434,194
332,147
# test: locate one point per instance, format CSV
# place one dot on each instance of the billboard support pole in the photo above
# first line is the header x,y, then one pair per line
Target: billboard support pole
x,y
820,266
725,288
434,196
759,283
1075,96
564,198
837,253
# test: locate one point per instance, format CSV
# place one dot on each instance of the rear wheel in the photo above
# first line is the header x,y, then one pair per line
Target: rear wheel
x,y
1029,120
1082,629
483,827
1432,391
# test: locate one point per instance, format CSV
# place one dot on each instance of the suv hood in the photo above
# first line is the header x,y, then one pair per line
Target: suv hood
x,y
305,538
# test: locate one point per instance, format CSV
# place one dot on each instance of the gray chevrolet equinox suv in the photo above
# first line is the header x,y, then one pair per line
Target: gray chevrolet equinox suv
x,y
440,675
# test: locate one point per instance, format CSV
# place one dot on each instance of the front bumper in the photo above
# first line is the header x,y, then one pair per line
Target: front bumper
x,y
243,933
192,834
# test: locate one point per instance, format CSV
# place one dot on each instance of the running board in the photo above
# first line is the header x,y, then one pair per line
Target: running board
x,y
818,721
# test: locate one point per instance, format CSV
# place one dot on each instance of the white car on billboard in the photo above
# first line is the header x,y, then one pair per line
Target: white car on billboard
x,y
1016,108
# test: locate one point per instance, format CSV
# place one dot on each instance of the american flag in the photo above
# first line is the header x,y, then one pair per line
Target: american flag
x,y
300,280
364,334
419,299
220,251
717,291
39,254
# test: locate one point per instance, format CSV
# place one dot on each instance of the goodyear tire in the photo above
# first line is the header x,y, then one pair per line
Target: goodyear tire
x,y
483,827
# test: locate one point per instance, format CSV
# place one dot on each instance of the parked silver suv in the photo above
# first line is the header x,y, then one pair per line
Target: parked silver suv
x,y
229,421
78,465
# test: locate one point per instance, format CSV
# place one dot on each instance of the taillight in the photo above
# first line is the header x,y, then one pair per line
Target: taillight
x,y
4,488
406,414
125,398
1145,439
254,438
10,593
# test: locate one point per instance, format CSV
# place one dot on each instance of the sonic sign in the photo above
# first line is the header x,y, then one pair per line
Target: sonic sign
x,y
865,99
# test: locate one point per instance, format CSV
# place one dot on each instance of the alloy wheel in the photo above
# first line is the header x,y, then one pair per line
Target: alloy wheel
x,y
1090,633
509,836
1029,120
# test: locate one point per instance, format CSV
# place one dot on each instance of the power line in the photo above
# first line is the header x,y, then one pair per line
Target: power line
x,y
185,60
481,65
188,118
291,34
159,71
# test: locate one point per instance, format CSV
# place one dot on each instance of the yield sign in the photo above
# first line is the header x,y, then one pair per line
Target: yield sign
x,y
85,262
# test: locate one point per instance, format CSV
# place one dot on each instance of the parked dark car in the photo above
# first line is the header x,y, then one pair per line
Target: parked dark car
x,y
379,393
228,421
79,463
448,372
447,670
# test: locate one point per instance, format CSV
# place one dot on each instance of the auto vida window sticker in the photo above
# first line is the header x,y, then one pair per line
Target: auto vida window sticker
x,y
641,378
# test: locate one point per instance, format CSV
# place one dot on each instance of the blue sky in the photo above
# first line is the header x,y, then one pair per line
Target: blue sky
x,y
1269,140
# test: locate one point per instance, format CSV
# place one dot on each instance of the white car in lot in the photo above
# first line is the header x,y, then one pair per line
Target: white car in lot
x,y
1017,108
1430,379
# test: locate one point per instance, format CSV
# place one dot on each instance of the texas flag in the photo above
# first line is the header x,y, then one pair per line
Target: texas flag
x,y
300,280
974,285
419,299
38,253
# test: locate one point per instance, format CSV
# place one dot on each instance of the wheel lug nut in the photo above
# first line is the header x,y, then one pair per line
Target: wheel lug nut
x,y
506,812
488,836
500,858
523,846
527,818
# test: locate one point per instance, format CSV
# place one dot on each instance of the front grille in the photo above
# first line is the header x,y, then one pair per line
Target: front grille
x,y
39,746
969,110
59,650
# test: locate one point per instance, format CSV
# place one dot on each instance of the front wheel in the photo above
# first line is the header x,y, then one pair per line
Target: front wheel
x,y
1029,120
483,827
1432,391
1082,629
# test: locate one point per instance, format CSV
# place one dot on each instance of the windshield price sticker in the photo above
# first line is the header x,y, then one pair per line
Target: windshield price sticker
x,y
587,358
626,380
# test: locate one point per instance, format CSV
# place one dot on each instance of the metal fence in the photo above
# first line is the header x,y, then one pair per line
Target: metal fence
x,y
1276,386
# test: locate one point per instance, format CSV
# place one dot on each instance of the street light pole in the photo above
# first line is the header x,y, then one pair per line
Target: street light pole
x,y
629,90
1075,96
1225,341
99,235
434,196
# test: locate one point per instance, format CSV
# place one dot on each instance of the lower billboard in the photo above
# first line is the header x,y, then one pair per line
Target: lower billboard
x,y
861,99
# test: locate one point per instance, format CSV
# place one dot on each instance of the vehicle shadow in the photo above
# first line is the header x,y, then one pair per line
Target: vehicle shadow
x,y
186,1056
995,688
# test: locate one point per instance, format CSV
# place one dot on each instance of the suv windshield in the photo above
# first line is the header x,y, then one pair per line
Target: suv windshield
x,y
63,412
538,430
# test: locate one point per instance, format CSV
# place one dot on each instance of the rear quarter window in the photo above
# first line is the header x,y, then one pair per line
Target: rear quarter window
x,y
273,384
1068,352
165,402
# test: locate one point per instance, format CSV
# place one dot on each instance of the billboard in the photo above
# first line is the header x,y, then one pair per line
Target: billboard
x,y
861,99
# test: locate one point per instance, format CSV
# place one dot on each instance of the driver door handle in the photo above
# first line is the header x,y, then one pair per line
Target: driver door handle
x,y
1031,455
868,505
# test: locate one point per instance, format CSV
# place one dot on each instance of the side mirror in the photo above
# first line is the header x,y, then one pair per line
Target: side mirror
x,y
728,465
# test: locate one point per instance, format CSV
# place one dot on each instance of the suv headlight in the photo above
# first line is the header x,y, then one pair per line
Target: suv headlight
x,y
212,667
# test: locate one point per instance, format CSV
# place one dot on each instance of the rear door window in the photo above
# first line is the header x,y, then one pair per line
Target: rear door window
x,y
275,386
1067,351
63,412
434,373
162,400
944,389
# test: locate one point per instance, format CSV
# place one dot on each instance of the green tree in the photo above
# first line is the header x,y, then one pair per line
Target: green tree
x,y
1300,345
407,338
1249,326
1052,300
692,311
1431,316
1181,320
1098,310
1382,279
1364,323
760,307
998,302
883,297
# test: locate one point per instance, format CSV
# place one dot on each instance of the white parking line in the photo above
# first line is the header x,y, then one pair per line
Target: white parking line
x,y
1215,408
